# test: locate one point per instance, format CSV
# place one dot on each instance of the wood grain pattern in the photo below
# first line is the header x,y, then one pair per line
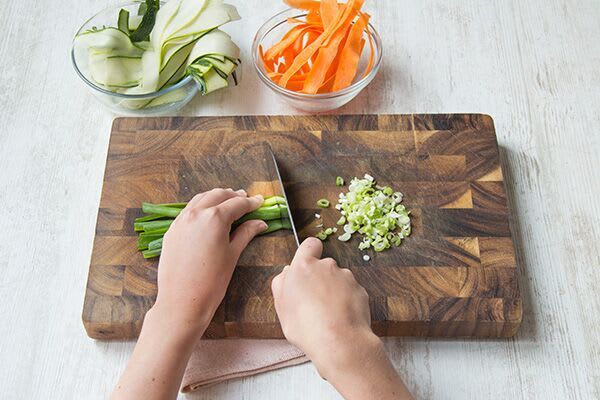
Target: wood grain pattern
x,y
455,276
531,64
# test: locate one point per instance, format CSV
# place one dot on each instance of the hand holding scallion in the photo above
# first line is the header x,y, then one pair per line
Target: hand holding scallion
x,y
200,252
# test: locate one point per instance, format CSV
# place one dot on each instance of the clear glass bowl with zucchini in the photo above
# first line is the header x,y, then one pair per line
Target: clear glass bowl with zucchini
x,y
151,57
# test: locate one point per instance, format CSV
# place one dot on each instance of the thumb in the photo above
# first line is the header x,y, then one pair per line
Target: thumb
x,y
245,233
311,248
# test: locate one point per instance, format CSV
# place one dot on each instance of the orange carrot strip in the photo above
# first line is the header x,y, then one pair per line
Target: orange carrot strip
x,y
350,55
295,86
349,9
329,10
287,41
268,65
330,77
325,59
288,57
371,49
303,4
313,17
344,18
329,49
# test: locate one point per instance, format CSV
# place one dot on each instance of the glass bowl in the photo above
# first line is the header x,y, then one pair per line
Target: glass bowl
x,y
274,29
164,101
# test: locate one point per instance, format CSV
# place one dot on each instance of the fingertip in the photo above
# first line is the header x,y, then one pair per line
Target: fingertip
x,y
311,247
261,226
312,241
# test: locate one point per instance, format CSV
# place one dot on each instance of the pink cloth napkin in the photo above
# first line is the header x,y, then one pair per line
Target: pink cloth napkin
x,y
215,361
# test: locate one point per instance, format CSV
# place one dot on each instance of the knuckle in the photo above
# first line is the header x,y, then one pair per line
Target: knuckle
x,y
217,191
213,214
348,274
364,293
197,196
330,262
191,214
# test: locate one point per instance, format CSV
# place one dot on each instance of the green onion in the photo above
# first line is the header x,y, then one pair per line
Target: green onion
x,y
268,213
374,212
271,201
276,225
160,210
160,231
153,227
325,233
147,218
339,181
173,205
151,253
323,203
156,244
322,235
145,239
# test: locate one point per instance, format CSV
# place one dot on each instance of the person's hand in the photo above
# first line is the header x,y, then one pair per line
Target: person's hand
x,y
321,306
325,312
199,254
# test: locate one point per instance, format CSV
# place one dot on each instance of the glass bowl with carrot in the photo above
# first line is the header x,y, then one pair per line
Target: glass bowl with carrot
x,y
318,55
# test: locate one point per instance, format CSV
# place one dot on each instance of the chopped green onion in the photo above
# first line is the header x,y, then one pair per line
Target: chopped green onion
x,y
339,181
322,235
323,203
375,212
345,237
325,233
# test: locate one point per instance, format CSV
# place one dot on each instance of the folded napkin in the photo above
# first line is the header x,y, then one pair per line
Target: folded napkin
x,y
215,361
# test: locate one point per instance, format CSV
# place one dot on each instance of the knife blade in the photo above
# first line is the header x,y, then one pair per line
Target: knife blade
x,y
289,210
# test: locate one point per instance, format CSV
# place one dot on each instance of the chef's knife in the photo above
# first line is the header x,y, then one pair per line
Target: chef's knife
x,y
291,219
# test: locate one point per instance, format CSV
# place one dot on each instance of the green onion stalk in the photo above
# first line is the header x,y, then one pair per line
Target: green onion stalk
x,y
153,226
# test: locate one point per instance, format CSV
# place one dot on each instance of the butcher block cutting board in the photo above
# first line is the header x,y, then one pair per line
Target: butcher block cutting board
x,y
454,276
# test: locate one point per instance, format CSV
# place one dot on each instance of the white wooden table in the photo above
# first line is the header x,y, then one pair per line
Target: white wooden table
x,y
533,65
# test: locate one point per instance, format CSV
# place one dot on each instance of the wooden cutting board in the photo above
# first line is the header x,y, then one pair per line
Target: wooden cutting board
x,y
455,276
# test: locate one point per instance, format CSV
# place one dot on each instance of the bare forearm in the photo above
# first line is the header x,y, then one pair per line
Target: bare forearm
x,y
156,367
365,372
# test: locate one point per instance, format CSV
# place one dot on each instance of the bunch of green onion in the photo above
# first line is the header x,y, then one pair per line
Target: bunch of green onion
x,y
154,225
